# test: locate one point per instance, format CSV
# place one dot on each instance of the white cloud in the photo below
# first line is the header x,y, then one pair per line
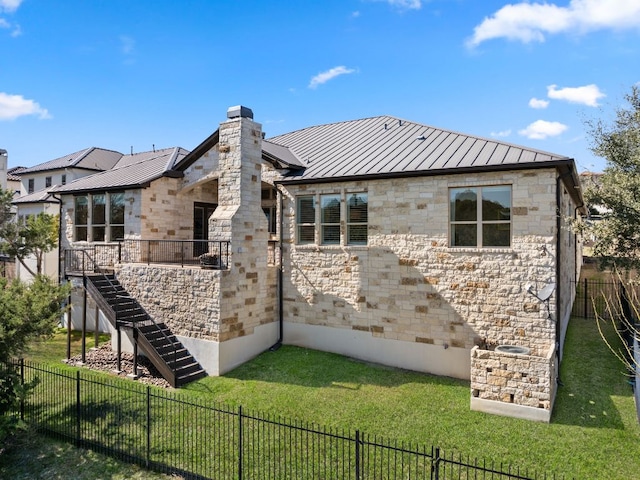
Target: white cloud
x,y
14,106
586,95
403,4
538,104
330,74
9,5
541,129
528,22
503,133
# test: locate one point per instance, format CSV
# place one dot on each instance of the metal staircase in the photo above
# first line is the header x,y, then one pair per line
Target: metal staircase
x,y
158,343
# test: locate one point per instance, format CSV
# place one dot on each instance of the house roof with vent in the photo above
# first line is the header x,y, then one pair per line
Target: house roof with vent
x,y
132,171
92,158
386,146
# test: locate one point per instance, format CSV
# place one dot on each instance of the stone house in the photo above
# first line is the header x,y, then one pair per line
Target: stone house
x,y
381,239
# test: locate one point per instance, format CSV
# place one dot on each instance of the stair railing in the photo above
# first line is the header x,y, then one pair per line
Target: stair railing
x,y
89,261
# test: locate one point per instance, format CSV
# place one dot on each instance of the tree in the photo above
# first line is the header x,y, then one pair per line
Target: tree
x,y
33,236
616,193
28,312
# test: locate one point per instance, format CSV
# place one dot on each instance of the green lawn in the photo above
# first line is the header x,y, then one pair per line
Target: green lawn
x,y
594,432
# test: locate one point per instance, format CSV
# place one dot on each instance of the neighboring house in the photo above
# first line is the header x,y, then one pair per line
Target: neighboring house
x,y
398,243
4,158
14,182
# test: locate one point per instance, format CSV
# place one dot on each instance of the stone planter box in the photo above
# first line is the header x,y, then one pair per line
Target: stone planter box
x,y
513,384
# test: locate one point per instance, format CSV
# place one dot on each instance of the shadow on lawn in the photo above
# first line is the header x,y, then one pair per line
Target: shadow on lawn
x,y
591,376
313,368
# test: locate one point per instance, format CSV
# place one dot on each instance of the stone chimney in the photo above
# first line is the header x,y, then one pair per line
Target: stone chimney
x,y
239,219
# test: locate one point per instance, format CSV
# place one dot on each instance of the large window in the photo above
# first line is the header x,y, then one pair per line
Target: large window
x,y
335,225
357,218
306,219
330,224
480,216
99,217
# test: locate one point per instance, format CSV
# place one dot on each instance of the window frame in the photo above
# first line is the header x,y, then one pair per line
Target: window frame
x,y
479,222
330,231
90,232
305,224
31,185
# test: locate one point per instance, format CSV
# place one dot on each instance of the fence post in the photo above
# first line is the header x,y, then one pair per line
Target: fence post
x,y
148,453
358,473
240,442
22,383
78,409
435,463
119,251
586,297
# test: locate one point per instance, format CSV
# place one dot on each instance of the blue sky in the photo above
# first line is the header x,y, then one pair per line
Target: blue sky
x,y
123,74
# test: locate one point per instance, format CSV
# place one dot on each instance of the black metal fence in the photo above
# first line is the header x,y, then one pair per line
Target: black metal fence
x,y
197,439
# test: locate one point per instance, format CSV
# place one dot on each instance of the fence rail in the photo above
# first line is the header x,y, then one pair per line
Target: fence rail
x,y
197,439
607,299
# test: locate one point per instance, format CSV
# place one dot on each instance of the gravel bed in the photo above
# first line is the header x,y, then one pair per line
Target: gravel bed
x,y
105,359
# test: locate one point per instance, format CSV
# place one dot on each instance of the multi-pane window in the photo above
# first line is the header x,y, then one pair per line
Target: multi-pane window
x,y
81,219
357,218
116,216
306,219
99,217
30,185
269,208
63,179
47,182
480,216
340,219
330,219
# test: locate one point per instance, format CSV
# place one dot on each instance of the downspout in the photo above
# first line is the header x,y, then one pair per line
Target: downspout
x,y
278,343
60,257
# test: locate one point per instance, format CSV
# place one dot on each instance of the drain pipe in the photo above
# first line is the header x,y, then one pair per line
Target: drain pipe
x,y
278,343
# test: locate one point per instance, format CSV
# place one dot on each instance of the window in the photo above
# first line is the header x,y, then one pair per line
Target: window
x,y
116,216
480,216
99,217
47,182
357,219
63,179
306,219
81,218
269,197
30,186
330,219
336,225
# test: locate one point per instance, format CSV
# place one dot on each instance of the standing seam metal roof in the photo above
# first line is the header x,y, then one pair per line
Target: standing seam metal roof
x,y
92,158
132,171
387,145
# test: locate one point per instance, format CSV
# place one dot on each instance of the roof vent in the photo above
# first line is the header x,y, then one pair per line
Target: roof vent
x,y
239,111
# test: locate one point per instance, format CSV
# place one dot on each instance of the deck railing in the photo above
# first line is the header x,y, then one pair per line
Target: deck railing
x,y
207,253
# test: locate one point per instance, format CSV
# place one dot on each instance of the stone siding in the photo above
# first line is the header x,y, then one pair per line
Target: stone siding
x,y
408,284
186,299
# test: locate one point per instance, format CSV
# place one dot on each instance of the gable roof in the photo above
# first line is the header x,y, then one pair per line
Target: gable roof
x,y
13,174
132,171
91,158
